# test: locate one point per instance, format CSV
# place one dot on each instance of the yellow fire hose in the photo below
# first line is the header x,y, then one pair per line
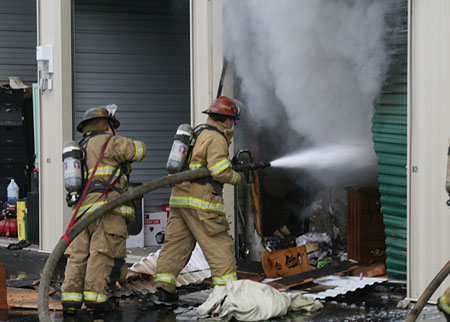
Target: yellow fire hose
x,y
132,194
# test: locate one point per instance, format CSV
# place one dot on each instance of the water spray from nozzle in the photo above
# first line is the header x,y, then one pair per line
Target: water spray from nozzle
x,y
323,157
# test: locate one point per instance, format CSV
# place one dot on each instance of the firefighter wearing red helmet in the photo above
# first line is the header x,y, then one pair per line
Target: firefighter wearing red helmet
x,y
197,207
224,106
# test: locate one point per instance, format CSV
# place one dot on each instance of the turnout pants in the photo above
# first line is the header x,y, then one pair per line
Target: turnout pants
x,y
95,259
184,228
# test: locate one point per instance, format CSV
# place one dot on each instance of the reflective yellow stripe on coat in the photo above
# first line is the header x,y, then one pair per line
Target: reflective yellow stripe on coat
x,y
139,151
235,177
195,166
197,203
219,167
123,210
105,171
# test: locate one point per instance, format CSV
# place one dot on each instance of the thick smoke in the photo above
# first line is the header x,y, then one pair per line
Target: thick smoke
x,y
319,63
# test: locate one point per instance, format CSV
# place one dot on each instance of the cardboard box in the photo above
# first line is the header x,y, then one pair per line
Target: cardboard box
x,y
155,224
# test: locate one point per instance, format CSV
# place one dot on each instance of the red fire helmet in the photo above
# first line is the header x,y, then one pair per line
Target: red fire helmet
x,y
224,106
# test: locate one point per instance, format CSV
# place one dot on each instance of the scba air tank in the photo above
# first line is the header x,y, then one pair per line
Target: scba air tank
x,y
180,149
72,157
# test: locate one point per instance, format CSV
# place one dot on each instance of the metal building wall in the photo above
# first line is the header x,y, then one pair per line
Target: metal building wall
x,y
429,216
18,40
135,54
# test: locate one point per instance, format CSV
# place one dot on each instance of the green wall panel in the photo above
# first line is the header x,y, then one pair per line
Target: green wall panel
x,y
389,128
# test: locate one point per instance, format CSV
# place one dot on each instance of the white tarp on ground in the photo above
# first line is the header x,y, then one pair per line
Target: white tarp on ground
x,y
195,271
246,300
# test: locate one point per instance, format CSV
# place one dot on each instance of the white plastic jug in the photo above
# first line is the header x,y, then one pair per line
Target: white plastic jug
x,y
13,191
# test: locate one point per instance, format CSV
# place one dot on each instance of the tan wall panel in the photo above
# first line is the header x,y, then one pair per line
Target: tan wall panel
x,y
54,28
429,216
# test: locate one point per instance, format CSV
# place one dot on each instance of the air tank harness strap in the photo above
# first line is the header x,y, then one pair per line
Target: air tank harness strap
x,y
86,188
199,129
102,186
104,193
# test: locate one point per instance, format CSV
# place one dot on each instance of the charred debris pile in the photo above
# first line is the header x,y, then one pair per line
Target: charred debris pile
x,y
292,221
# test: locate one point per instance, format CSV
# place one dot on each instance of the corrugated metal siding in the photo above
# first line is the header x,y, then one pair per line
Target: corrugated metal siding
x,y
135,54
18,40
342,285
390,141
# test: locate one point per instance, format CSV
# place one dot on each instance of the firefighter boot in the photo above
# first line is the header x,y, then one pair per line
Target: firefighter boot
x,y
69,311
109,306
70,308
165,296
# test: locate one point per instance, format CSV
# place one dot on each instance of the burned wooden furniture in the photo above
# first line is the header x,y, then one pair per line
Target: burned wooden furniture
x,y
365,227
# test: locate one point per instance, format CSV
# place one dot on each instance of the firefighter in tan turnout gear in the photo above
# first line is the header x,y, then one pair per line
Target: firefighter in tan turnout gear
x,y
197,207
95,257
444,304
444,300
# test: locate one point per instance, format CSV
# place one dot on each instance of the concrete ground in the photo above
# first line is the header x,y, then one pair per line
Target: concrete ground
x,y
27,264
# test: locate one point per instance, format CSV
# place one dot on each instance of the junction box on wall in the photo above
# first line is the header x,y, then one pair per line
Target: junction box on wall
x,y
44,58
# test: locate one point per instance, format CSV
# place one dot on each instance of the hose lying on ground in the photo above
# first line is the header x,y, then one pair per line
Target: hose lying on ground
x,y
61,246
431,288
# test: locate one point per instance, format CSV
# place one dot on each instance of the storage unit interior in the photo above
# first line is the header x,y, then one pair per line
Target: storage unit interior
x,y
17,59
366,220
17,150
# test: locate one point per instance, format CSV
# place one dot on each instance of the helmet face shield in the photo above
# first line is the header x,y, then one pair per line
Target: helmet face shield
x,y
239,108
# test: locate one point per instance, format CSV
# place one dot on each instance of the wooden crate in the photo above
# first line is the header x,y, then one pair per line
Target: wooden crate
x,y
365,227
285,262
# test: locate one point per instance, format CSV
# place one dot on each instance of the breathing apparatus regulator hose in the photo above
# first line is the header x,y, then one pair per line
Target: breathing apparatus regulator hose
x,y
130,195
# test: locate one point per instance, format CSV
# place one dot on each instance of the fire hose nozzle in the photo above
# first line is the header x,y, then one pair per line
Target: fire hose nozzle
x,y
260,165
243,162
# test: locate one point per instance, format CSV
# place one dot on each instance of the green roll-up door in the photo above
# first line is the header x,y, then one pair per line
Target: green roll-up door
x,y
389,127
